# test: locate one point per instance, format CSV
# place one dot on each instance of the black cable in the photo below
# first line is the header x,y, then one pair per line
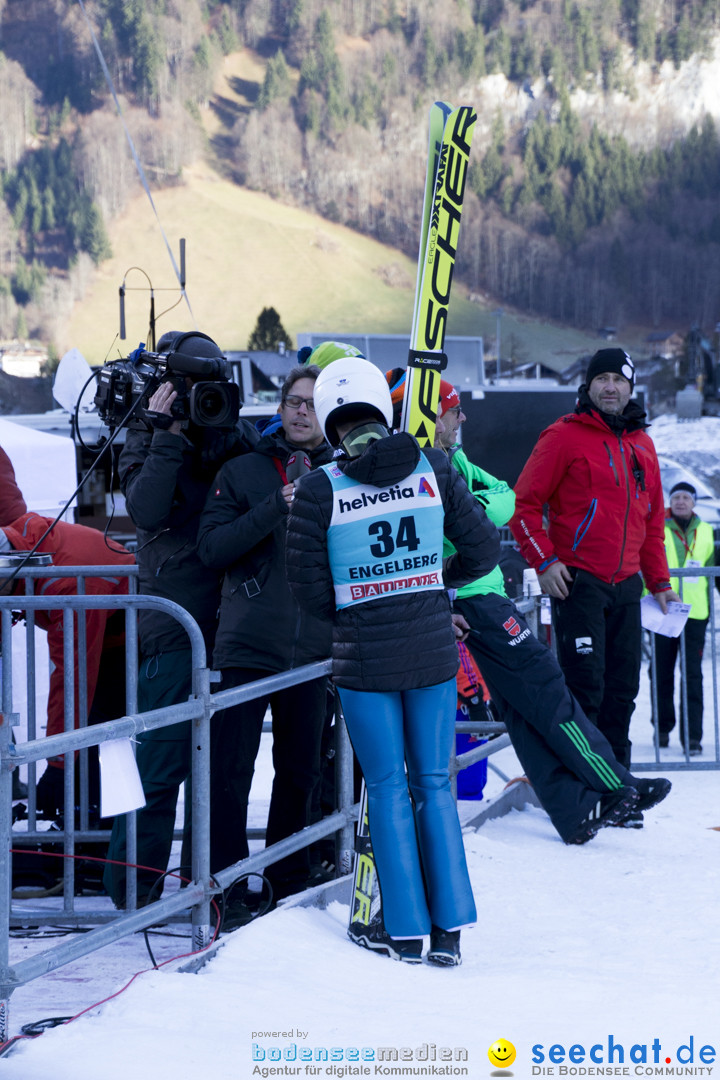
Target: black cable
x,y
58,931
33,1031
76,418
166,933
111,485
263,907
156,887
103,443
38,1026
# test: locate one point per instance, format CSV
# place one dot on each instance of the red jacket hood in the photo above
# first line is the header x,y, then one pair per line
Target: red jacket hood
x,y
12,503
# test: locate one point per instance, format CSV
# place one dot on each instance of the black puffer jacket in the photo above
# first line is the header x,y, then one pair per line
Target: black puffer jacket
x,y
242,532
165,479
396,642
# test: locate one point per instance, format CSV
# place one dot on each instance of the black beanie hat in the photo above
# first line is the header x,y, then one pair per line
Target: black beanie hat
x,y
683,485
616,360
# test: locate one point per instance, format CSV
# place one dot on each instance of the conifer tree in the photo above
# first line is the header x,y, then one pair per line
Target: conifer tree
x,y
269,332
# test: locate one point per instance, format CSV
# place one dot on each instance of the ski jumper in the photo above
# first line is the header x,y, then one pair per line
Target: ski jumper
x,y
566,759
364,547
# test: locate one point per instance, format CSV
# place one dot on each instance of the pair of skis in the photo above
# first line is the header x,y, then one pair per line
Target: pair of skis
x,y
450,137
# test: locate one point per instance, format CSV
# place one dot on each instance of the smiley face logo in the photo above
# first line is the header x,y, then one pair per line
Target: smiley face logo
x,y
501,1053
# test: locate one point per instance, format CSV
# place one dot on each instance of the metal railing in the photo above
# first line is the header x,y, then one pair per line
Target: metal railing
x,y
192,901
110,925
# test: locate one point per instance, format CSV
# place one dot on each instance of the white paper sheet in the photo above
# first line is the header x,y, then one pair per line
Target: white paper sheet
x,y
120,786
671,624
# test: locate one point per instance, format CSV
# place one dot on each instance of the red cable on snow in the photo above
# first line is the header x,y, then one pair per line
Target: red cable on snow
x,y
156,967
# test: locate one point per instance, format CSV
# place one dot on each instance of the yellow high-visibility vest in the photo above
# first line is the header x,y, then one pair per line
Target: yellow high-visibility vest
x,y
696,547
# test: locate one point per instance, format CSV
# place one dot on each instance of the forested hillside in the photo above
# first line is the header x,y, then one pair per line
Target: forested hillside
x,y
566,216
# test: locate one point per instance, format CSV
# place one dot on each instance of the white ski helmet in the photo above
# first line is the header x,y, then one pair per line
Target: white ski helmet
x,y
350,387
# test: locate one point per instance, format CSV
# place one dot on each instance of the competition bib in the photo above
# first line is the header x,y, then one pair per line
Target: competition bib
x,y
385,540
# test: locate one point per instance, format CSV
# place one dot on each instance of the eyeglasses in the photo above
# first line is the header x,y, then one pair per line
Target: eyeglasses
x,y
295,402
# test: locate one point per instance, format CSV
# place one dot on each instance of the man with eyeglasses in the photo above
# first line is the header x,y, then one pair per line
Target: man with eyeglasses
x,y
261,629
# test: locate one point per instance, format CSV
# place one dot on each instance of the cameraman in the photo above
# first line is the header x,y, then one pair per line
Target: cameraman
x,y
166,469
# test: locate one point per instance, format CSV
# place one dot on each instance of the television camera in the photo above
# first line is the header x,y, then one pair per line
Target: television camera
x,y
198,372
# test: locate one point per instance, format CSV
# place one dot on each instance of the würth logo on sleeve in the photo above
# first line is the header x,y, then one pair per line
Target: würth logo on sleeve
x,y
512,626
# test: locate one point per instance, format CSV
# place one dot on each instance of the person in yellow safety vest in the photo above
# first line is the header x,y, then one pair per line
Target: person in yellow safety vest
x,y
688,542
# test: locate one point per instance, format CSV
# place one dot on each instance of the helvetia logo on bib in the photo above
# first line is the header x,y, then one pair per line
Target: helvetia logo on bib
x,y
425,488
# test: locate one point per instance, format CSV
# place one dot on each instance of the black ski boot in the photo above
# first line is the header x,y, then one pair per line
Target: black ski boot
x,y
444,947
376,938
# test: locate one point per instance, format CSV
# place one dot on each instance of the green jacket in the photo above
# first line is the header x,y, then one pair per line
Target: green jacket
x,y
694,547
498,501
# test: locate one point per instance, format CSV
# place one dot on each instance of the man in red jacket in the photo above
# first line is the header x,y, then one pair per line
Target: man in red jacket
x,y
597,472
74,545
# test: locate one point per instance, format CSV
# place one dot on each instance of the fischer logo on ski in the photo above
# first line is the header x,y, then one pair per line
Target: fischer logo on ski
x,y
436,262
366,926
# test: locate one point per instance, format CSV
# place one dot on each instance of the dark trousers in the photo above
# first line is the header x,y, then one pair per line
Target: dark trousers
x,y
666,653
566,759
599,642
164,763
298,716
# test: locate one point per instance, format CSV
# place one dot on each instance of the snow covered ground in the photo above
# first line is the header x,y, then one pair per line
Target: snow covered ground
x,y
617,940
573,946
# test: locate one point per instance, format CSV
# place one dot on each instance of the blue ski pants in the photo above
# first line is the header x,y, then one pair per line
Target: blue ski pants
x,y
419,853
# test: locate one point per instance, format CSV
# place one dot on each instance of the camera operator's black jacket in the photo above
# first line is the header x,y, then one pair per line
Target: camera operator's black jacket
x,y
165,479
242,531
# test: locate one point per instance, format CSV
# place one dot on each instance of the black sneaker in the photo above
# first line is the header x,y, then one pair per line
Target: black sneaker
x,y
320,874
651,792
695,749
237,913
241,905
444,947
376,938
611,809
663,740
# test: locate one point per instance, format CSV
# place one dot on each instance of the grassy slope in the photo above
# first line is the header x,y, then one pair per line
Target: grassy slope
x,y
246,251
